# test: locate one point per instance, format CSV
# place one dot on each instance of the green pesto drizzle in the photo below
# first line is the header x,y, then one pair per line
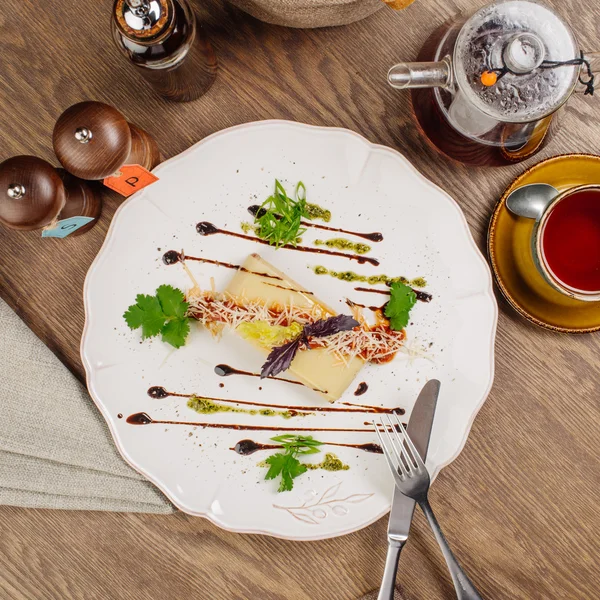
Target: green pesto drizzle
x,y
330,463
344,244
247,227
204,406
371,279
314,211
419,282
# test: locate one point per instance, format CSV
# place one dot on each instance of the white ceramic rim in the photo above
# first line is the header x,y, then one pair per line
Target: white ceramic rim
x,y
490,292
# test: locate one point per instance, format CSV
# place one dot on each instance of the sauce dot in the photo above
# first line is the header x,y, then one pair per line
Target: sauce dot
x,y
171,257
157,391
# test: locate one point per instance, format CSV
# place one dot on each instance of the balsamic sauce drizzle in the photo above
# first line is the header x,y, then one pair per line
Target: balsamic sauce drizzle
x,y
223,370
256,211
421,295
283,287
351,303
172,256
247,447
142,418
206,228
159,392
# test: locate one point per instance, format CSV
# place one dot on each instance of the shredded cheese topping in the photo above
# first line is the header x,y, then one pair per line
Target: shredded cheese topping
x,y
374,343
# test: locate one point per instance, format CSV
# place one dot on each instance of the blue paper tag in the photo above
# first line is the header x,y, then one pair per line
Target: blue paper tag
x,y
66,227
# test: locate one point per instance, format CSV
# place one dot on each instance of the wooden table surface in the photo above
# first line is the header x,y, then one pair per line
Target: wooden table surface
x,y
521,505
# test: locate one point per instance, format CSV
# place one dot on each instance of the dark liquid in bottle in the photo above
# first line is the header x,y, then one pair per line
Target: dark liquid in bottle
x,y
571,241
191,74
435,125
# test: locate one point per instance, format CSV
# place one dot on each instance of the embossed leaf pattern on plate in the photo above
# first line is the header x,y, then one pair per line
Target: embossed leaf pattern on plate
x,y
327,503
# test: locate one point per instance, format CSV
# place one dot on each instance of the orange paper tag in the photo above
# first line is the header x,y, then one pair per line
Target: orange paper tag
x,y
130,179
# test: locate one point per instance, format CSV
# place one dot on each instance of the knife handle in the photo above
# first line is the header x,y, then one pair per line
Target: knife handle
x,y
388,583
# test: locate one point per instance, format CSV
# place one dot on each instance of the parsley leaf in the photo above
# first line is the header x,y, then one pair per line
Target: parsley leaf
x,y
294,468
397,310
134,316
277,462
147,314
164,313
286,463
176,332
172,301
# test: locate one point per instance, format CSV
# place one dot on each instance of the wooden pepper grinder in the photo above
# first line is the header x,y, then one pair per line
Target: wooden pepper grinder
x,y
35,195
93,140
163,39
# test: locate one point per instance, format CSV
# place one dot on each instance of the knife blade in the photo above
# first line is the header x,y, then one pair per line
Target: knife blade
x,y
401,515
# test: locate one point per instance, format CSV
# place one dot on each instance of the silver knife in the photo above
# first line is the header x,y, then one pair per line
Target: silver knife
x,y
419,430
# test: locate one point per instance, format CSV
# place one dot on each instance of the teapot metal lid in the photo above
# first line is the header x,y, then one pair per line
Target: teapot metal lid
x,y
516,36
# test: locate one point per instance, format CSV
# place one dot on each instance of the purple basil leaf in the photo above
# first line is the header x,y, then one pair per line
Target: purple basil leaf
x,y
281,357
326,327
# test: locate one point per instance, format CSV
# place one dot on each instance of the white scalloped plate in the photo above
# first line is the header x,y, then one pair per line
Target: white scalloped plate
x,y
368,188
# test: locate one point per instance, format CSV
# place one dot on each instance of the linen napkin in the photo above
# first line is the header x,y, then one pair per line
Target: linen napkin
x,y
55,448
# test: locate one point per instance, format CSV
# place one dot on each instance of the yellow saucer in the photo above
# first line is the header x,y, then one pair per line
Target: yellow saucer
x,y
509,247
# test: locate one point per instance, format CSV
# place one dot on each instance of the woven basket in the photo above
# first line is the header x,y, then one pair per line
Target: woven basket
x,y
313,13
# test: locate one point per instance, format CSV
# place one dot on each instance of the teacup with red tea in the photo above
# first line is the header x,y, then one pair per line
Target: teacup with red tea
x,y
566,243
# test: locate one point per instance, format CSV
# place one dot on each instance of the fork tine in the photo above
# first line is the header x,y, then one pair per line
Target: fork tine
x,y
414,455
405,458
387,453
390,426
400,430
387,445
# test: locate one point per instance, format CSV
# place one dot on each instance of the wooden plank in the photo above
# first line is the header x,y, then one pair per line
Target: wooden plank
x,y
520,505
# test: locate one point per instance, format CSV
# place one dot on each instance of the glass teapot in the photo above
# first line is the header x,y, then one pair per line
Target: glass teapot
x,y
486,88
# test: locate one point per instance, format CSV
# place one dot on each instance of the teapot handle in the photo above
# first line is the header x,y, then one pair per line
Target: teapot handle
x,y
593,58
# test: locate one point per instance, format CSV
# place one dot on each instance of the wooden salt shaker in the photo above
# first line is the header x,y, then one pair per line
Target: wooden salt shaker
x,y
163,39
33,195
93,140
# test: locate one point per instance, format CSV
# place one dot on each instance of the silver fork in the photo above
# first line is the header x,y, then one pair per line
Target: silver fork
x,y
412,479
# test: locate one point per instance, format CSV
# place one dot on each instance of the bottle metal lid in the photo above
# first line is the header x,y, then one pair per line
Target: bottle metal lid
x,y
143,20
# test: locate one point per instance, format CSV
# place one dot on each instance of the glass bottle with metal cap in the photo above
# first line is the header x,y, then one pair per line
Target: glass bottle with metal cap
x,y
167,44
486,88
